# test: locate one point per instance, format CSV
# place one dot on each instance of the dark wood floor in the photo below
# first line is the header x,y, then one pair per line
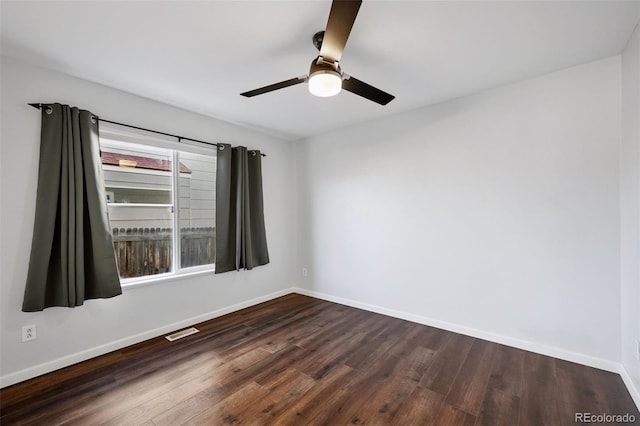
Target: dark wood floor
x,y
297,360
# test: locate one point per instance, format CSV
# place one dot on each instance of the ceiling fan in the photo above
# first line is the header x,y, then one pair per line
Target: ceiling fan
x,y
326,78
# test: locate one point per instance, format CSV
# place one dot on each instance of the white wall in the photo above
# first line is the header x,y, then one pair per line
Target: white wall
x,y
496,213
630,210
94,327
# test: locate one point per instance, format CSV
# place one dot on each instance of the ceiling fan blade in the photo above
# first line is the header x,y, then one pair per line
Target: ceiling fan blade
x,y
341,18
275,86
365,90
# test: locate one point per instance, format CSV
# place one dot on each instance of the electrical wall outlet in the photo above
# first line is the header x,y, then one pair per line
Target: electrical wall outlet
x,y
28,332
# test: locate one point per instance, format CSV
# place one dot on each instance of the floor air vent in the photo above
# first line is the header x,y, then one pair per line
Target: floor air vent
x,y
181,334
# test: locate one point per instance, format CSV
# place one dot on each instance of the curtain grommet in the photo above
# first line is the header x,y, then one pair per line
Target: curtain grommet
x,y
94,119
221,147
48,110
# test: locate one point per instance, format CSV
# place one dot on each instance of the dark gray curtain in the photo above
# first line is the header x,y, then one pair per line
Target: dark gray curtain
x,y
241,241
72,256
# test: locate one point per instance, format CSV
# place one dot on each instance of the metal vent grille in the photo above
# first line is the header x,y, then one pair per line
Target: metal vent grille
x,y
181,334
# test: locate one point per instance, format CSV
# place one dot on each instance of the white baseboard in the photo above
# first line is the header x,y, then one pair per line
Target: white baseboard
x,y
56,364
631,387
564,354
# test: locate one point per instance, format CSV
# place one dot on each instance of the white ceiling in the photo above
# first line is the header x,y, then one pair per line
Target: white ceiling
x,y
200,55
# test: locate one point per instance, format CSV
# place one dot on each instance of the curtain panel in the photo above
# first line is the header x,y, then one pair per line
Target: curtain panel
x,y
241,241
72,257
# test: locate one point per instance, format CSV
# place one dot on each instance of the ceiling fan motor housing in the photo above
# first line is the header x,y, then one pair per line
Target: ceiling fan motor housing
x,y
319,65
317,39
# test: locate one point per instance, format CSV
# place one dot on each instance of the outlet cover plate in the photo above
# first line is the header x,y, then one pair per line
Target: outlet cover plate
x,y
29,332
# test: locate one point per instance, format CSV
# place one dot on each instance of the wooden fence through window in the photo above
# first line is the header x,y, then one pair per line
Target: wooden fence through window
x,y
148,251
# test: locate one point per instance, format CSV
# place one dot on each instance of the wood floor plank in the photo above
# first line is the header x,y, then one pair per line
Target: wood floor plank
x,y
434,338
417,363
145,411
358,391
277,364
420,408
413,336
283,392
384,405
279,339
364,337
507,371
570,376
130,394
297,360
182,411
277,321
264,370
539,402
451,416
499,408
327,391
320,363
219,376
469,387
418,335
322,359
291,332
338,327
44,408
378,345
228,410
446,363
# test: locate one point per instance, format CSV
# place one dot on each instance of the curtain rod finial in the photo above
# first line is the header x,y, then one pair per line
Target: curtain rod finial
x,y
47,108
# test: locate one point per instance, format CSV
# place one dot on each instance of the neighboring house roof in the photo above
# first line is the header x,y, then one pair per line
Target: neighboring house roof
x,y
134,161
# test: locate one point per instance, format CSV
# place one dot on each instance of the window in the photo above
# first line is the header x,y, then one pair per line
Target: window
x,y
161,203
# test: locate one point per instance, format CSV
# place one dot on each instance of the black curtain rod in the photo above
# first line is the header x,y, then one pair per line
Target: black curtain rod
x,y
180,138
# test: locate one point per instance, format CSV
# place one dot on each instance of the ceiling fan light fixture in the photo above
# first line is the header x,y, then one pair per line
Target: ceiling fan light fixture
x,y
325,83
325,77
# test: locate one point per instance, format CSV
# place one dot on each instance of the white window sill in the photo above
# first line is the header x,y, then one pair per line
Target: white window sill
x,y
132,283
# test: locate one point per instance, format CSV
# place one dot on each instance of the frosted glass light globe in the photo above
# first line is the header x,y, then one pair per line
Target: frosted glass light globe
x,y
325,83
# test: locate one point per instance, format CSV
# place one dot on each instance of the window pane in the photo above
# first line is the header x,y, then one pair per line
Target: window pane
x,y
138,184
197,202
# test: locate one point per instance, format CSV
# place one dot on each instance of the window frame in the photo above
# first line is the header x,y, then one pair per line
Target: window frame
x,y
169,146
